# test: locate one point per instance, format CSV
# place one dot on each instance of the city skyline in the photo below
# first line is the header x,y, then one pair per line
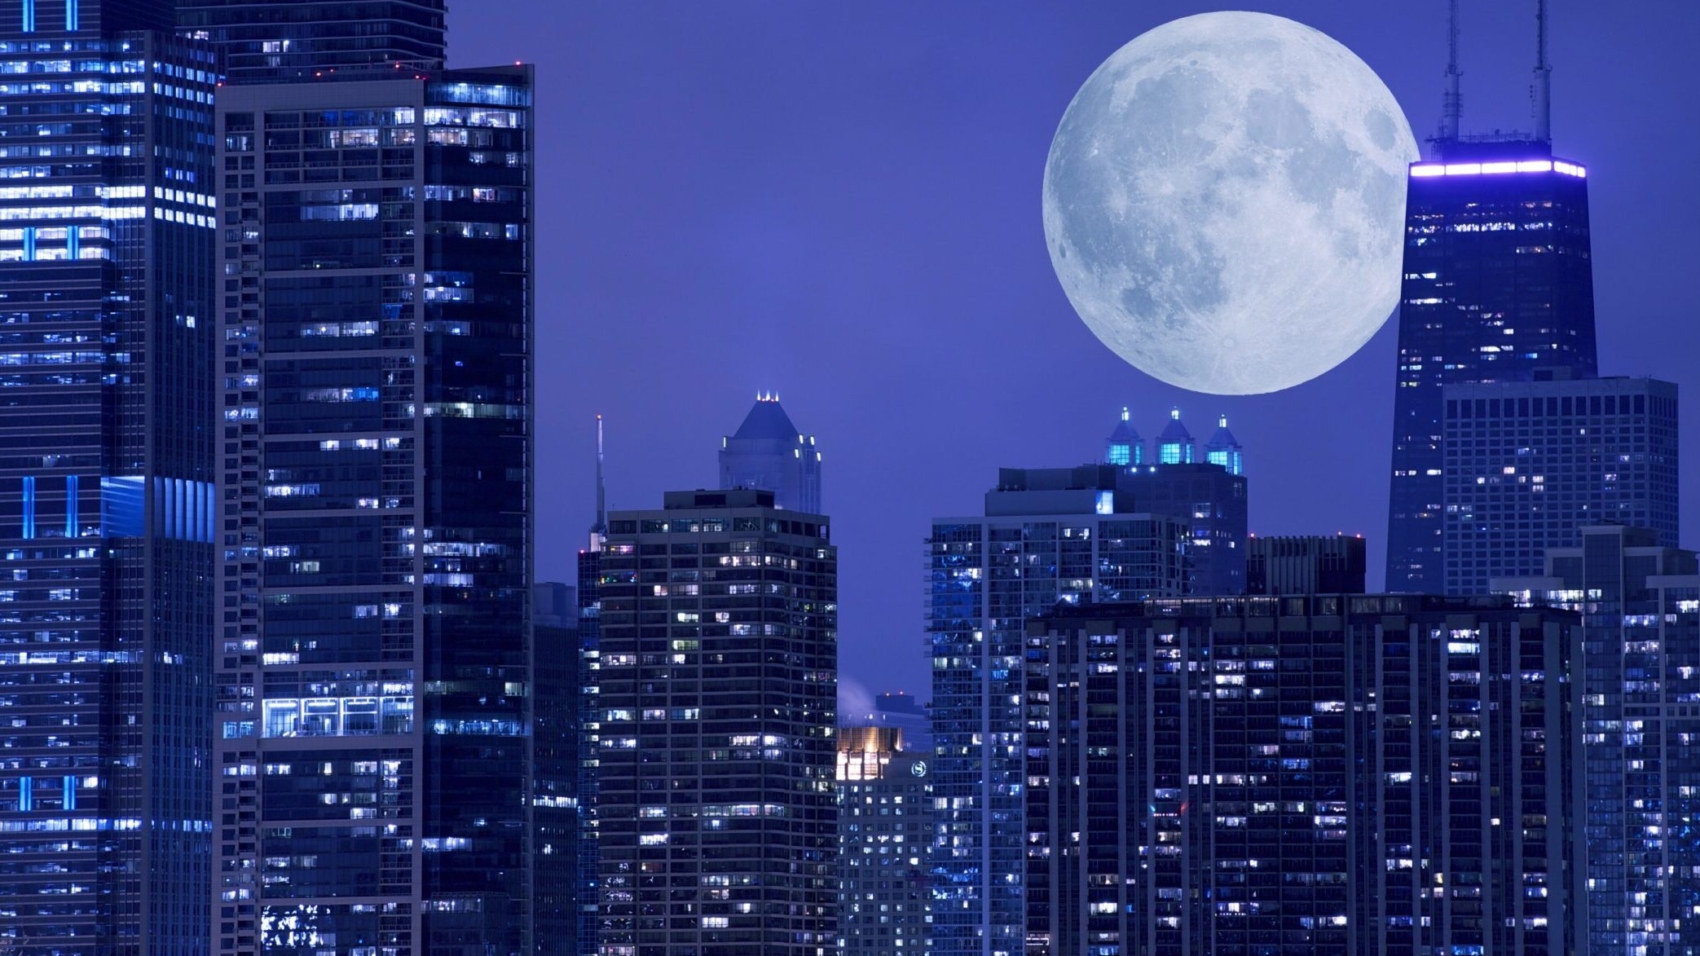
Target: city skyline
x,y
843,207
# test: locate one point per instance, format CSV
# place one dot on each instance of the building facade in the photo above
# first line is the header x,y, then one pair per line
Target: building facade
x,y
287,41
717,812
1046,536
1328,775
1530,463
1298,564
767,451
557,737
1498,287
885,822
1640,605
106,302
373,653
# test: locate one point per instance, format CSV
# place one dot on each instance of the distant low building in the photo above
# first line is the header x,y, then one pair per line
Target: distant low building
x,y
1307,564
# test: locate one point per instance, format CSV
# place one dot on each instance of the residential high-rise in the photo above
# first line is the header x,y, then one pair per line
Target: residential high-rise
x,y
373,655
282,41
767,451
1327,774
1530,463
106,500
717,811
1046,536
885,825
1498,287
1640,606
1305,565
590,723
1206,492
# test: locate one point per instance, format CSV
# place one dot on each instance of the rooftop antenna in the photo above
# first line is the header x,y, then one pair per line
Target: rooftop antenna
x,y
600,528
1543,76
1452,103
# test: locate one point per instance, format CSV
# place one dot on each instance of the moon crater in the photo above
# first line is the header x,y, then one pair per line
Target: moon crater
x,y
1224,202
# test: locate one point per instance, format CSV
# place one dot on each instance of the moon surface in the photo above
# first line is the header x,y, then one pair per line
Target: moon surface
x,y
1225,201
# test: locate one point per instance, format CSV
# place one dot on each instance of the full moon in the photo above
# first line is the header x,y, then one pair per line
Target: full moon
x,y
1225,201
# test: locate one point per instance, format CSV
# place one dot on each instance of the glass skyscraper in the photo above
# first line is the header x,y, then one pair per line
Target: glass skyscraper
x,y
107,332
1047,536
374,642
767,451
1498,287
1329,774
717,809
281,41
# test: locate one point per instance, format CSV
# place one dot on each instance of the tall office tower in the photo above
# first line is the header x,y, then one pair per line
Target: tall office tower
x,y
1640,602
767,451
106,295
1124,446
556,737
884,825
1326,775
589,597
1529,463
1498,287
1305,565
374,651
283,41
1046,536
1208,494
717,808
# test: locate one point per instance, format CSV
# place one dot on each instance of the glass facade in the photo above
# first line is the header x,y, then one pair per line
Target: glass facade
x,y
1640,603
1529,463
373,653
717,811
107,330
283,41
1049,536
1498,287
1323,775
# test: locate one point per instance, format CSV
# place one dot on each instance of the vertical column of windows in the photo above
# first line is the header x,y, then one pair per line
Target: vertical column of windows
x,y
28,530
29,16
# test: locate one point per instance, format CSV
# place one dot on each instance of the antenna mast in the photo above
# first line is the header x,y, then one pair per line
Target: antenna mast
x,y
601,527
1543,76
1452,103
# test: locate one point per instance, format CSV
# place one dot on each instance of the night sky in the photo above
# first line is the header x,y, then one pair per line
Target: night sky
x,y
840,202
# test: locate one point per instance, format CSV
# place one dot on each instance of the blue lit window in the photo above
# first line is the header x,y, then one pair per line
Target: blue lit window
x,y
71,23
1120,455
29,507
29,242
71,529
26,795
29,16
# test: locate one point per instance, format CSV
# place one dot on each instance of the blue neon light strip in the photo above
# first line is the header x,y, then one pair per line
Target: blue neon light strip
x,y
71,529
29,16
26,794
71,782
1428,170
72,15
29,507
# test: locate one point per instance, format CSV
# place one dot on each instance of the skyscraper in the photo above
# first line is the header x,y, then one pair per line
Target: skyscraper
x,y
1046,536
767,451
1498,287
281,41
556,765
373,656
106,501
1640,606
1323,775
1528,464
884,826
590,722
1305,565
717,812
1206,492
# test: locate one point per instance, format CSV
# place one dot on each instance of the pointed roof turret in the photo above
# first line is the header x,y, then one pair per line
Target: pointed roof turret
x,y
767,421
1223,448
1174,445
1124,446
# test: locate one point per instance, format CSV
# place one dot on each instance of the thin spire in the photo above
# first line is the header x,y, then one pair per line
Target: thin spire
x,y
1543,76
1452,103
601,526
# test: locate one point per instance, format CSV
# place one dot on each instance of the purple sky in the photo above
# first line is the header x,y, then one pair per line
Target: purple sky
x,y
840,202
